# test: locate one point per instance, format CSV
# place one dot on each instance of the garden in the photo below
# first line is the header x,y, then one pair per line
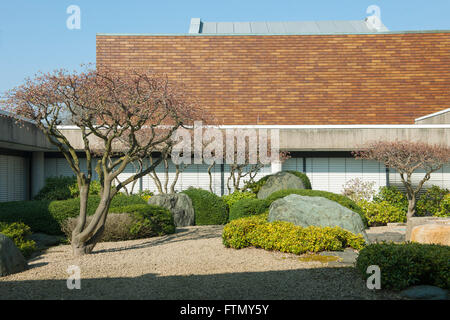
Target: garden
x,y
246,223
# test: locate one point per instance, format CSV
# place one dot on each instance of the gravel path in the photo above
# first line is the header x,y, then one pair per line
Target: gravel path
x,y
191,264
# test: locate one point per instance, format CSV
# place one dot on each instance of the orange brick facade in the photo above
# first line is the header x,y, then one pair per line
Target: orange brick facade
x,y
298,79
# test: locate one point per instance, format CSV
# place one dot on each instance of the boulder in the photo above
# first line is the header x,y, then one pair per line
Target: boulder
x,y
280,181
424,292
11,259
179,204
417,221
431,234
316,211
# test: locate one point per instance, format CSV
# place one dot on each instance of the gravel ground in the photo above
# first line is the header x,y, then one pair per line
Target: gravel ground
x,y
191,264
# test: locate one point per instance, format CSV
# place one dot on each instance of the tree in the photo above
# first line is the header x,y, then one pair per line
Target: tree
x,y
122,118
407,157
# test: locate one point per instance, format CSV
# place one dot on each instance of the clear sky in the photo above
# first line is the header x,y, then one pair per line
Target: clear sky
x,y
34,35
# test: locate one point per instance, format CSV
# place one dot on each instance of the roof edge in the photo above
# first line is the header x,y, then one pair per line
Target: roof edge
x,y
433,114
271,34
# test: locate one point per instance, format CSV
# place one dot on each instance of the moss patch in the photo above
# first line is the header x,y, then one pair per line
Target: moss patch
x,y
318,258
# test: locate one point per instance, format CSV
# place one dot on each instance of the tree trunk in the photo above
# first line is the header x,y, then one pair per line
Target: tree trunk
x,y
84,238
411,207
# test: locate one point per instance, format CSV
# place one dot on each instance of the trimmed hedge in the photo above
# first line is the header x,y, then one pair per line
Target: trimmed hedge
x,y
393,196
429,203
234,197
256,186
381,213
247,207
408,264
63,188
18,232
47,216
209,209
444,210
284,236
131,222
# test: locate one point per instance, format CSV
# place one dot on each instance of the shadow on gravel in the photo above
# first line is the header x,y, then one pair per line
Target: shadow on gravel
x,y
181,234
299,284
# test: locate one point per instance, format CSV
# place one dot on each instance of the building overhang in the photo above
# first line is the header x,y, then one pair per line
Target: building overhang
x,y
325,137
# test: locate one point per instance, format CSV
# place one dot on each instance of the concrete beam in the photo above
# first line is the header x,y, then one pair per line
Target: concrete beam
x,y
326,138
22,137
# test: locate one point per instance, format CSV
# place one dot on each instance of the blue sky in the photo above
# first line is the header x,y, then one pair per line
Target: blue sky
x,y
34,36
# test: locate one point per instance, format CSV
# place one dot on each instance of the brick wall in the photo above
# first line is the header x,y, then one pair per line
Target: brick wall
x,y
298,79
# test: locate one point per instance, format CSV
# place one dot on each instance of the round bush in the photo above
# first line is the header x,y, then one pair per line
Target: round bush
x,y
62,188
234,197
131,222
381,213
444,210
209,209
429,203
393,196
18,232
286,237
247,207
46,216
408,264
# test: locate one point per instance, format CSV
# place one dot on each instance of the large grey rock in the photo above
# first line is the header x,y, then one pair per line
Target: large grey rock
x,y
179,204
316,211
425,292
280,181
11,259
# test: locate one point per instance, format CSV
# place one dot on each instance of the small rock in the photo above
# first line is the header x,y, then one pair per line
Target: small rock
x,y
425,292
179,204
11,259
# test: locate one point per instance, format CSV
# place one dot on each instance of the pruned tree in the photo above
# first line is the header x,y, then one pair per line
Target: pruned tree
x,y
109,108
407,157
163,184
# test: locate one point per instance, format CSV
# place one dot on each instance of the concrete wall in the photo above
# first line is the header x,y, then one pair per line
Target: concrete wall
x,y
25,136
347,139
326,138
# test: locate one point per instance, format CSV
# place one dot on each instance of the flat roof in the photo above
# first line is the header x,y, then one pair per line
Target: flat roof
x,y
269,34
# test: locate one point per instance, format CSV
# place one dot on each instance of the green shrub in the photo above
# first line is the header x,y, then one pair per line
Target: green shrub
x,y
444,210
247,207
393,196
209,209
46,216
256,186
131,222
148,220
62,188
286,237
145,194
408,264
232,198
18,232
381,213
341,199
429,203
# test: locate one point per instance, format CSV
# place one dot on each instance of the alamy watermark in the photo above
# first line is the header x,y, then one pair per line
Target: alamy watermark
x,y
232,146
74,279
374,280
73,22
